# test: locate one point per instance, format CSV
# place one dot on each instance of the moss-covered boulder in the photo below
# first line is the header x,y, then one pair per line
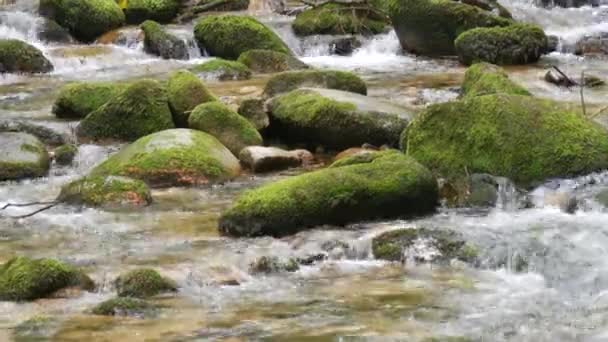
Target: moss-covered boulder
x,y
511,45
266,61
77,100
335,19
171,158
392,186
186,91
20,57
140,109
231,129
160,43
36,328
361,157
65,154
163,11
222,70
228,36
22,156
253,110
330,79
86,20
429,27
486,79
110,191
47,135
335,119
143,283
422,245
125,306
22,278
525,139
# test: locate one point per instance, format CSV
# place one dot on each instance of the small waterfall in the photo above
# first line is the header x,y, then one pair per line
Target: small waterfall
x,y
20,25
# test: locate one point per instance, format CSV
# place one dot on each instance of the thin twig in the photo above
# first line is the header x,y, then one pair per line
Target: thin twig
x,y
31,204
35,212
583,93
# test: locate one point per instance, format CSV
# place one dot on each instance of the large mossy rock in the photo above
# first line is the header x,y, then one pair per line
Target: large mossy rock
x,y
525,139
391,186
512,45
160,43
20,57
86,20
486,79
77,100
228,36
22,278
266,61
163,11
331,79
335,119
110,191
22,156
171,158
231,129
429,27
222,70
186,91
140,109
337,19
143,283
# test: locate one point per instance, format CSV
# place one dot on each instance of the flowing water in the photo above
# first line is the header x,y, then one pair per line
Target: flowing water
x,y
542,274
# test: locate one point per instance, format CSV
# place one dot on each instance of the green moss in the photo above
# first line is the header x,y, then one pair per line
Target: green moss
x,y
332,18
266,61
186,92
23,156
231,129
143,283
22,278
228,36
77,100
331,79
485,79
522,138
429,27
362,158
171,158
142,108
511,45
124,307
228,6
106,191
253,110
21,57
223,70
86,20
64,154
137,11
392,186
158,42
268,265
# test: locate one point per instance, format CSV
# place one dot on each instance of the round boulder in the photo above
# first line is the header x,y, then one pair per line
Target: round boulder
x,y
22,156
20,57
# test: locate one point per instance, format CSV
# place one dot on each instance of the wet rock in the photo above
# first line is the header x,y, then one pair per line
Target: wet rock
x,y
602,198
231,129
344,46
360,157
111,191
125,306
554,77
253,110
330,79
569,3
334,196
65,154
565,201
160,43
35,329
185,92
485,79
23,278
86,20
223,70
22,156
173,158
265,159
45,134
268,265
512,45
591,81
162,11
266,61
335,19
20,57
143,283
483,191
51,32
354,151
228,36
422,245
140,109
335,119
592,45
490,6
552,43
77,100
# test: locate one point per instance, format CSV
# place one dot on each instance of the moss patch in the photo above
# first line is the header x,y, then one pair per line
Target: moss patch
x,y
64,154
485,79
223,70
186,92
253,110
20,57
143,283
22,156
106,191
336,19
266,61
331,79
124,307
77,100
158,42
163,11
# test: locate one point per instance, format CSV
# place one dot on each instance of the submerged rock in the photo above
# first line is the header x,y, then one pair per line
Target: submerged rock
x,y
267,61
20,57
172,158
223,70
268,265
330,79
111,191
77,100
22,278
143,283
266,159
392,186
253,110
335,119
344,46
228,36
592,45
485,79
35,329
185,92
65,154
22,156
124,306
51,32
163,11
160,43
335,19
45,134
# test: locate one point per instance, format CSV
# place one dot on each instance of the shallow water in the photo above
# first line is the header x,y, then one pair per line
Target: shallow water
x,y
542,275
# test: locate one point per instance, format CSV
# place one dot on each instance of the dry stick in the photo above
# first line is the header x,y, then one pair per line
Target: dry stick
x,y
568,79
35,212
8,205
583,93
